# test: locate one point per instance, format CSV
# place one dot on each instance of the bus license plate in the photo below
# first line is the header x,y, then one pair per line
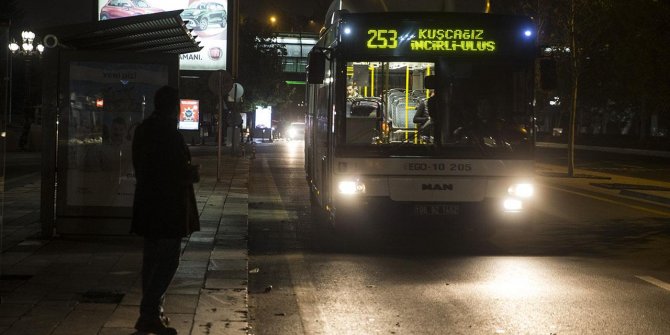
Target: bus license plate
x,y
436,210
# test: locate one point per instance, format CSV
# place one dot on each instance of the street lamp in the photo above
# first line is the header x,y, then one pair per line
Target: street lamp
x,y
28,46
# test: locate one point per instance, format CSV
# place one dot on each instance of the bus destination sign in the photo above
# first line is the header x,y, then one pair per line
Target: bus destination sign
x,y
439,34
432,40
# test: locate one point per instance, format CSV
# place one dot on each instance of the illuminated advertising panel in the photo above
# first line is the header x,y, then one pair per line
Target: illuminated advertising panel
x,y
189,114
207,18
438,34
263,117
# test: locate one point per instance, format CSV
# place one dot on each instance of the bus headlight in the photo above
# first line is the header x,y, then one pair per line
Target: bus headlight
x,y
512,205
351,187
521,190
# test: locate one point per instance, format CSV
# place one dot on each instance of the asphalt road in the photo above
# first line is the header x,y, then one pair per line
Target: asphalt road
x,y
586,266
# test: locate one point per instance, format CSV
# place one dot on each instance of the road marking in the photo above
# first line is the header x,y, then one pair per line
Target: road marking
x,y
640,208
306,297
313,318
654,281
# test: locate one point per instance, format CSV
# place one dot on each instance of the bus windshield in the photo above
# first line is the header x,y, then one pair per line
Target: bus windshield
x,y
461,107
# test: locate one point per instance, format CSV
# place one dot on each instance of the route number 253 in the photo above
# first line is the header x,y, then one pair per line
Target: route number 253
x,y
382,39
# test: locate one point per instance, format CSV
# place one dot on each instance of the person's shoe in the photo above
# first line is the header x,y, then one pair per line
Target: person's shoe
x,y
165,319
154,326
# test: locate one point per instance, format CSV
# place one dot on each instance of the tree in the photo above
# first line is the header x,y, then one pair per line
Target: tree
x,y
260,68
638,58
576,30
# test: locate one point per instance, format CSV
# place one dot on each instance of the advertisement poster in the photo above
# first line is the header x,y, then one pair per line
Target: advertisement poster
x,y
189,114
207,19
263,117
107,102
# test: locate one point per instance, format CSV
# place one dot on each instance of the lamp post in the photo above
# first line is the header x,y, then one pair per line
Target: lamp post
x,y
27,49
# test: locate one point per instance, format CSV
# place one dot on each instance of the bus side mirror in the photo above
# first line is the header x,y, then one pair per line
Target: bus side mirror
x,y
316,67
430,82
548,80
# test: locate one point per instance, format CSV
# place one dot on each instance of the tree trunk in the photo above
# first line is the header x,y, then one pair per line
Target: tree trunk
x,y
572,127
575,83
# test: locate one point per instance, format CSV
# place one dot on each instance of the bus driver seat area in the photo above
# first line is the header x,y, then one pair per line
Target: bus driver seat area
x,y
362,118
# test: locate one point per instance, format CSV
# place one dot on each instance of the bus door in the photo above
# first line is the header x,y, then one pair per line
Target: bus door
x,y
323,138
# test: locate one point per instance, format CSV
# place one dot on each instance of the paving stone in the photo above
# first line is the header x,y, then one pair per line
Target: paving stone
x,y
180,303
9,309
186,263
195,255
233,242
220,328
11,258
226,283
221,305
42,319
228,264
27,293
228,274
132,298
182,322
230,253
85,319
123,317
185,286
117,331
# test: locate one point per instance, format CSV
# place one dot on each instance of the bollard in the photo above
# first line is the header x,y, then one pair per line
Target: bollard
x,y
253,150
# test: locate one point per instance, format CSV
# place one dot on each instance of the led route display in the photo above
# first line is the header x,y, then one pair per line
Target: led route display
x,y
433,40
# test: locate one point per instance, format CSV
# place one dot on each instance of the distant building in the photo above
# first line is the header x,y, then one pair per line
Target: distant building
x,y
297,46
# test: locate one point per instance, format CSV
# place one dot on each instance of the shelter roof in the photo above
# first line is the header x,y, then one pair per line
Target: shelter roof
x,y
163,32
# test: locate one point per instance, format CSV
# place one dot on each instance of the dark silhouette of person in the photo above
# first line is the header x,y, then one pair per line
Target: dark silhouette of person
x,y
164,208
29,118
422,116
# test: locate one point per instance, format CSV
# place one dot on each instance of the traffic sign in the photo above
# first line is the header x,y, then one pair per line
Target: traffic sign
x,y
220,82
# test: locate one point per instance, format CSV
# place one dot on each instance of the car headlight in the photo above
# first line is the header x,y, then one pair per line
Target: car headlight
x,y
351,187
292,132
521,190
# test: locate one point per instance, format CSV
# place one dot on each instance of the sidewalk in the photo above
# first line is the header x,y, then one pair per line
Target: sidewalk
x,y
605,184
91,284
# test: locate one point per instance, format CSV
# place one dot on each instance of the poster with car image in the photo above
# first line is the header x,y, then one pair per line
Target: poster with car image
x,y
208,20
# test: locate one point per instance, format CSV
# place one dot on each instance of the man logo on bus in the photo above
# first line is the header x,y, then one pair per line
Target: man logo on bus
x,y
437,187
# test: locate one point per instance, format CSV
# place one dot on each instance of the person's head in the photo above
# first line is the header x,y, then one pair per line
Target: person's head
x,y
166,101
352,90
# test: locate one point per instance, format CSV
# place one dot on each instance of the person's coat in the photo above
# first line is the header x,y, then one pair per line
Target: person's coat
x,y
164,204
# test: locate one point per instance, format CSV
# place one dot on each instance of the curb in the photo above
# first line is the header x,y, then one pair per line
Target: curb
x,y
639,152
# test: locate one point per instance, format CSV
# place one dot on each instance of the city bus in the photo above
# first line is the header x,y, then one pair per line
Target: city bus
x,y
369,157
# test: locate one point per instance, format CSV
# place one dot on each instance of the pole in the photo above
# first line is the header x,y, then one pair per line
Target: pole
x,y
219,127
234,67
4,76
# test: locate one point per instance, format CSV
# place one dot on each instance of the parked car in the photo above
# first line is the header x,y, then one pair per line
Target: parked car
x,y
201,15
115,9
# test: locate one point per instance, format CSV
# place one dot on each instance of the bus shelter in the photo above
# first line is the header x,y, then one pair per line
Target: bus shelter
x,y
99,81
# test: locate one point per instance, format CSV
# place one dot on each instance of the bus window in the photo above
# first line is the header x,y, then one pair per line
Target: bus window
x,y
382,98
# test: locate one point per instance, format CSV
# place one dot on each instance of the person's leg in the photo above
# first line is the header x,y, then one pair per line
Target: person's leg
x,y
170,251
160,262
